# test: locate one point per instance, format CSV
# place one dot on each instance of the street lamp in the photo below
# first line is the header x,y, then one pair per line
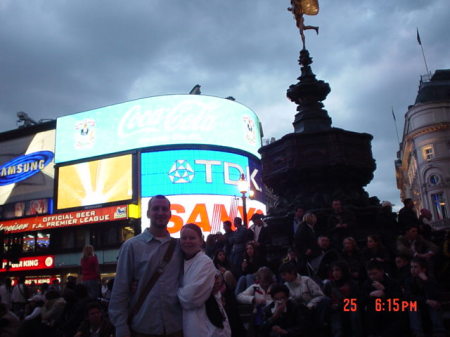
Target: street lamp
x,y
243,188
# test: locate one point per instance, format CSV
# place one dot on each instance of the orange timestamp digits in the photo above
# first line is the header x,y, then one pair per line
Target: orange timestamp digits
x,y
394,305
350,304
382,305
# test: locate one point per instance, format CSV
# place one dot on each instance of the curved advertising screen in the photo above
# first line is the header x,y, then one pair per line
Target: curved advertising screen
x,y
202,186
175,172
156,121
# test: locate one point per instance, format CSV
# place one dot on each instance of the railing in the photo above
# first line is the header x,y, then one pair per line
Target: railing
x,y
441,224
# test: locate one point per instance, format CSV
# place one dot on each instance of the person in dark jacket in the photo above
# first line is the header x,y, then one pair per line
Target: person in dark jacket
x,y
261,234
421,288
387,223
407,216
379,287
340,223
239,238
282,317
343,291
375,250
352,255
96,323
305,241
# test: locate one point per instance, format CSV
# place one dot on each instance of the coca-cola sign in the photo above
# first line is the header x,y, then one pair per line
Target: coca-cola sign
x,y
154,121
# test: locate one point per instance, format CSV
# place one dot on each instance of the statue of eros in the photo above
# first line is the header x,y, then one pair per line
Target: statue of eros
x,y
301,7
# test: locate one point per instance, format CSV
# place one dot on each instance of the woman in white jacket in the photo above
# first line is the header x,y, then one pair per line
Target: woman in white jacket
x,y
197,288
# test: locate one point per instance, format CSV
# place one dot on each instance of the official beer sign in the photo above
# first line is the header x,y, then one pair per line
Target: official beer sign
x,y
60,220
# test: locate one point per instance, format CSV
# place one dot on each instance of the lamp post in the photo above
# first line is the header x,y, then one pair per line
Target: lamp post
x,y
243,188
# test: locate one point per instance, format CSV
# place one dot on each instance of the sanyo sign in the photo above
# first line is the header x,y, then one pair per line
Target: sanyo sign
x,y
176,172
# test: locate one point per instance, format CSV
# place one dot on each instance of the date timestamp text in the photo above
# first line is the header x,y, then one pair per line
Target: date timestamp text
x,y
382,304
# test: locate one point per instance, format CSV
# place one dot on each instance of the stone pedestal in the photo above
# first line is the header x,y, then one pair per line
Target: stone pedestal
x,y
316,163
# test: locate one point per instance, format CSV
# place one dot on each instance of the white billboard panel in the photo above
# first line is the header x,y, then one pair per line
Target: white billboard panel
x,y
207,211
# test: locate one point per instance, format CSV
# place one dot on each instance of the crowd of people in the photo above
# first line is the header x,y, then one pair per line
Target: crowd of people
x,y
331,284
76,308
328,284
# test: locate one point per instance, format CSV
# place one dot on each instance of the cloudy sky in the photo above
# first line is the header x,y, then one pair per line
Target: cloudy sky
x,y
62,57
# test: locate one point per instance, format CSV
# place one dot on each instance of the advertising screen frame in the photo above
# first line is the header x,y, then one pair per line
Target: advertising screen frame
x,y
251,169
207,211
134,183
155,121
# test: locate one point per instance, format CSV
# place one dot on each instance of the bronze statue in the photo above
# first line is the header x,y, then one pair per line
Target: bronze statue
x,y
301,7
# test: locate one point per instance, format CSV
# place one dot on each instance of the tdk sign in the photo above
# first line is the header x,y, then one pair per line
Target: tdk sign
x,y
196,172
23,167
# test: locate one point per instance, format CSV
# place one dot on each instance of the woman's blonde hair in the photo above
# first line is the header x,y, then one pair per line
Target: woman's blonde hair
x,y
310,218
88,250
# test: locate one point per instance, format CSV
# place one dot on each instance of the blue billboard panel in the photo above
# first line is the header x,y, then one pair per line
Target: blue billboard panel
x,y
184,172
155,121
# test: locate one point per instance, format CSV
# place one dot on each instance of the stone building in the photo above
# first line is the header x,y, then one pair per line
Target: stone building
x,y
423,161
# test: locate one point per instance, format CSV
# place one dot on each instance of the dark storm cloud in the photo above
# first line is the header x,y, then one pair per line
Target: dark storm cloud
x,y
64,57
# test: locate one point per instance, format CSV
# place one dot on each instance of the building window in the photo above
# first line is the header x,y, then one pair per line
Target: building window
x,y
428,152
439,205
29,243
434,179
42,241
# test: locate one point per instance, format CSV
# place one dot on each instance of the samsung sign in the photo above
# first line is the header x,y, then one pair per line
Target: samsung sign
x,y
24,166
162,120
185,172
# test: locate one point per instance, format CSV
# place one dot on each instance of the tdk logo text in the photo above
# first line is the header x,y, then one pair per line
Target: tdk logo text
x,y
195,172
213,171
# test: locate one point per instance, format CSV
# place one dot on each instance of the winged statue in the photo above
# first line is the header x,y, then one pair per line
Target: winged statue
x,y
304,7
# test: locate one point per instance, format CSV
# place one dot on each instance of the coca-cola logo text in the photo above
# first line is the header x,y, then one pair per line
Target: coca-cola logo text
x,y
187,116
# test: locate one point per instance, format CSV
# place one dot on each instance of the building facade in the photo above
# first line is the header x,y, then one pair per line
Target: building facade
x,y
87,178
423,162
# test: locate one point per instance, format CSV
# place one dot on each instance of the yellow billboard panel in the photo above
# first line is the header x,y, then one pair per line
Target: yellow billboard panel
x,y
95,182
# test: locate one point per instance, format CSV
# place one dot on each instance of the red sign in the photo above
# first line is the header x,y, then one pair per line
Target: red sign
x,y
31,263
65,219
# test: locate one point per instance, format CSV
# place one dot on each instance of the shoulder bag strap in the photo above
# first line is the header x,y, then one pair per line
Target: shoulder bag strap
x,y
158,272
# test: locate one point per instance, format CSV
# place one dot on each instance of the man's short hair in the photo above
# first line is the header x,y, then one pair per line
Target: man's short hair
x,y
288,267
94,305
374,264
238,220
411,226
279,288
256,216
403,257
406,201
158,196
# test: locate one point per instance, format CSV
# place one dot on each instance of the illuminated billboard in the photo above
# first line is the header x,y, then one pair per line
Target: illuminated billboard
x,y
156,121
95,182
207,211
30,263
26,167
54,221
186,172
26,208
